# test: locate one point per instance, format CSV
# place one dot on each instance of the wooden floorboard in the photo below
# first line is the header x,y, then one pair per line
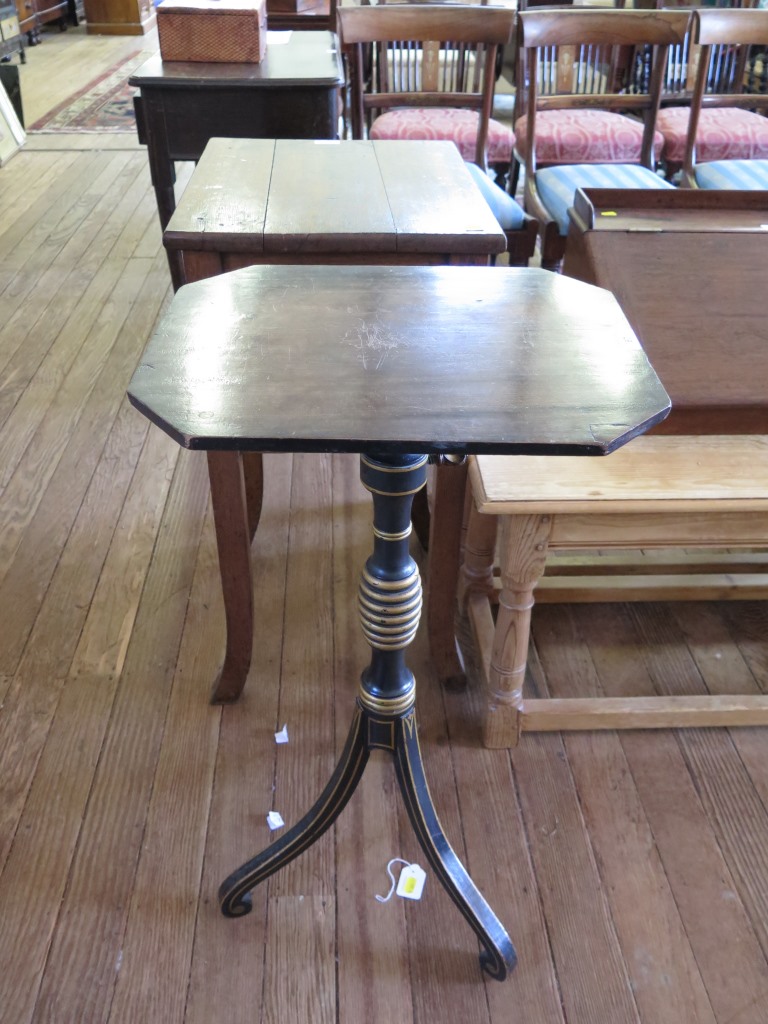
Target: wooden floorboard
x,y
715,919
630,869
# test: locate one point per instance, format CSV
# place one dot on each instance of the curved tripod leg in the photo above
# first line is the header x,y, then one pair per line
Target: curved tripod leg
x,y
234,892
498,956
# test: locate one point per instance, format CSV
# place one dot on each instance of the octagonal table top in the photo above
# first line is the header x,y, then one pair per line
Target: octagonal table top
x,y
397,359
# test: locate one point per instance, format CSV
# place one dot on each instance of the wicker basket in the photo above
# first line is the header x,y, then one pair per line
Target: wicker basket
x,y
219,31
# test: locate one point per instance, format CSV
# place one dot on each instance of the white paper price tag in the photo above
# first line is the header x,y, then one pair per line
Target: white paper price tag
x,y
411,882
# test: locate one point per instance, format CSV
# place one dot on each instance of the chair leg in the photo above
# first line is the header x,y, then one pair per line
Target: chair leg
x,y
501,173
523,551
514,176
552,247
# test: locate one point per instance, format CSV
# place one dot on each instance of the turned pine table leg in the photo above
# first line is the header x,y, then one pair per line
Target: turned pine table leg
x,y
479,550
523,552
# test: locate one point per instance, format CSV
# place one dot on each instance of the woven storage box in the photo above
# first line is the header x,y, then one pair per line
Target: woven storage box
x,y
220,31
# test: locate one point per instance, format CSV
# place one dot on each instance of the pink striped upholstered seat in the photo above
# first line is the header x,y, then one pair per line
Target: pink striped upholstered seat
x,y
445,123
723,133
585,137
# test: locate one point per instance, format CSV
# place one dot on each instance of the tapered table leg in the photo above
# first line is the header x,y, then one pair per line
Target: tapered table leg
x,y
450,484
389,603
235,525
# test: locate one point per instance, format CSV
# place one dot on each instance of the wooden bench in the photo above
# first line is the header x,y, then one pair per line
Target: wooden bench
x,y
658,492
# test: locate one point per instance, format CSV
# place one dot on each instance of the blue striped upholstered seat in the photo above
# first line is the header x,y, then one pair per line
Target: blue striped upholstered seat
x,y
507,212
733,174
557,185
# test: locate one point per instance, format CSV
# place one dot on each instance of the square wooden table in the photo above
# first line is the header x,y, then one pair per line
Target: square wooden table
x,y
293,93
399,364
297,201
252,201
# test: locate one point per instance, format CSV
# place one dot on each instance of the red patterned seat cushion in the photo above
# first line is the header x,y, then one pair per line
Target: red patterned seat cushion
x,y
724,133
451,124
585,137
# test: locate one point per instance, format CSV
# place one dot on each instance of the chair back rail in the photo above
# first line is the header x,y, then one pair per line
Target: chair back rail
x,y
735,26
441,22
608,26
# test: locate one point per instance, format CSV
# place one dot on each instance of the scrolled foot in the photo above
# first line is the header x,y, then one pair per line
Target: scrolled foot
x,y
498,963
233,905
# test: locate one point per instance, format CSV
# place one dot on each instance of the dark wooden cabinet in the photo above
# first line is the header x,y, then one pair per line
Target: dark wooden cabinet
x,y
119,17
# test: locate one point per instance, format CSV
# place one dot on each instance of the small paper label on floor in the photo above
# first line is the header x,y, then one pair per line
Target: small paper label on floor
x,y
411,882
274,820
282,736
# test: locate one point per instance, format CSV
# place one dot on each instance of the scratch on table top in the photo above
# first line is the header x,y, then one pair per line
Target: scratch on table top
x,y
374,341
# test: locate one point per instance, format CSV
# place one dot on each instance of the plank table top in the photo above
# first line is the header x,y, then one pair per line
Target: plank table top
x,y
397,359
301,199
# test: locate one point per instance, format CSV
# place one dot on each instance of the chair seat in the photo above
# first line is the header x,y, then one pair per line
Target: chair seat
x,y
505,209
585,137
557,185
722,134
451,124
742,175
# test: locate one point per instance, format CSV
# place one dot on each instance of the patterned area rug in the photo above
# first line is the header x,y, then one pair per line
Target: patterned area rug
x,y
104,105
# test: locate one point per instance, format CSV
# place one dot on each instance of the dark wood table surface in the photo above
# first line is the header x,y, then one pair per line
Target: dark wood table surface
x,y
407,359
299,201
689,270
292,93
435,360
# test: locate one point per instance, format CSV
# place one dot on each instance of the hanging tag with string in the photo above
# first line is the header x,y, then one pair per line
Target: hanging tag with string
x,y
409,885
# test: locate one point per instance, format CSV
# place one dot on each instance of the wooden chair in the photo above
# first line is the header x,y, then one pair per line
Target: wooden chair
x,y
723,134
549,191
428,71
565,135
432,75
716,117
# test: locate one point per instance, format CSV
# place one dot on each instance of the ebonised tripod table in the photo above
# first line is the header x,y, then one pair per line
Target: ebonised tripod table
x,y
400,364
